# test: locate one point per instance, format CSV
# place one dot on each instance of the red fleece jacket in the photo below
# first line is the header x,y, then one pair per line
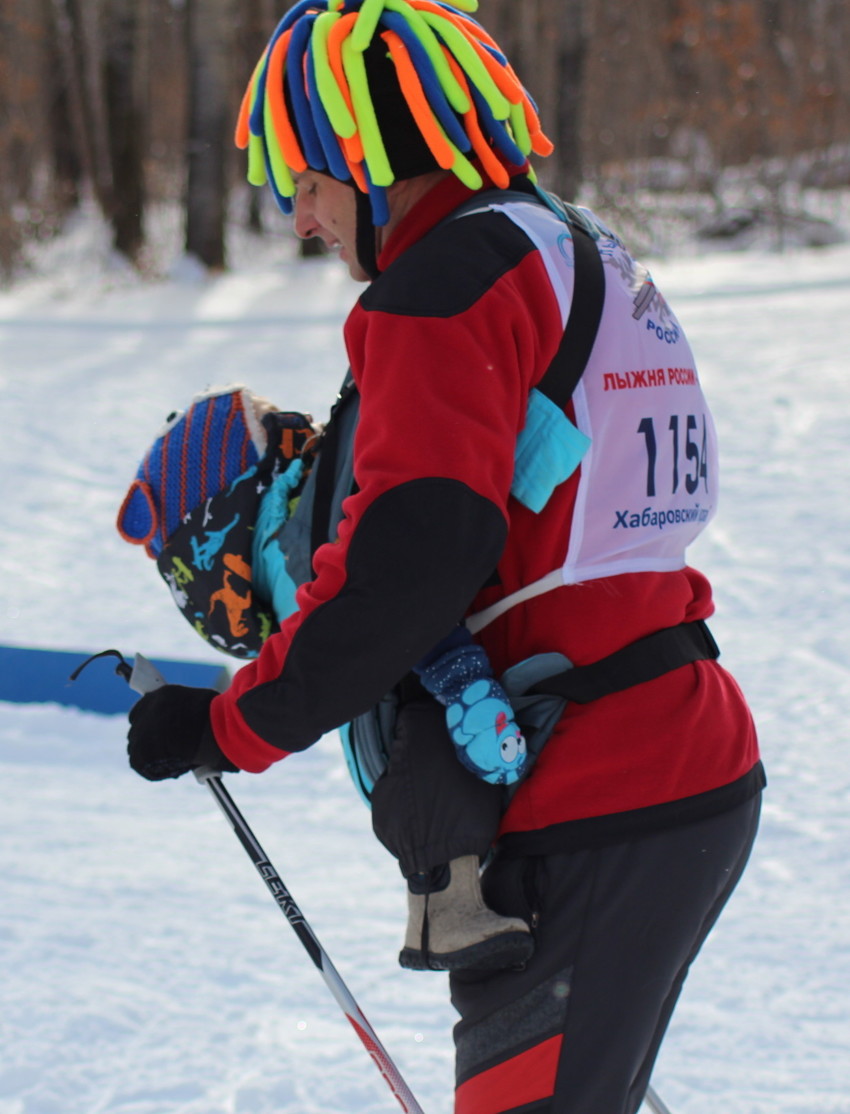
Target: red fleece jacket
x,y
444,348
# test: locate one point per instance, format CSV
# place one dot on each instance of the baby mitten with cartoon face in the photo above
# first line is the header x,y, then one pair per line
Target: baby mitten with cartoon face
x,y
482,727
479,716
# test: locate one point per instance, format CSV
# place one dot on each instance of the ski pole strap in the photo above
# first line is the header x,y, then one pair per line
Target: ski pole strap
x,y
636,663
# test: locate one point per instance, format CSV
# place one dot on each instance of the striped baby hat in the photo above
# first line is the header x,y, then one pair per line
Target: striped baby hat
x,y
198,453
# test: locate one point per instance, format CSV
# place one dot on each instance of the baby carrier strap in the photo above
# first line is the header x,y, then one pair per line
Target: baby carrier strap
x,y
567,365
329,465
570,360
644,660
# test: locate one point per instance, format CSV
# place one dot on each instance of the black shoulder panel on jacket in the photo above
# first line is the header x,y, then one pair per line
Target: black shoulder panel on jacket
x,y
418,557
450,268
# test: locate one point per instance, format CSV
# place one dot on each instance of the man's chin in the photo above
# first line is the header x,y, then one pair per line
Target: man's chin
x,y
353,264
357,272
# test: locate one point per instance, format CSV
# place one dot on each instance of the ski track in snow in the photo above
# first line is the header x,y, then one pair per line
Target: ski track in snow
x,y
145,969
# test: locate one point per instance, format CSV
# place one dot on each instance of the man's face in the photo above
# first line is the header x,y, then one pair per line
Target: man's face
x,y
327,208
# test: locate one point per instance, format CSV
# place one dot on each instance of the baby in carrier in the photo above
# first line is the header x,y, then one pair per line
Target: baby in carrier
x,y
208,504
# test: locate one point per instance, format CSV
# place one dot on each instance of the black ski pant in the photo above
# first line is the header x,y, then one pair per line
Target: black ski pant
x,y
616,929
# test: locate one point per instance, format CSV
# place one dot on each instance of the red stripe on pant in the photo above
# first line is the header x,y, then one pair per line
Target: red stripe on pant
x,y
528,1077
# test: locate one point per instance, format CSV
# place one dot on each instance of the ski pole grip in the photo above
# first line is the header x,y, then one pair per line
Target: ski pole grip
x,y
206,773
145,677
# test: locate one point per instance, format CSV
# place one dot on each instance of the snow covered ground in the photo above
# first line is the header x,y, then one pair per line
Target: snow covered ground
x,y
143,966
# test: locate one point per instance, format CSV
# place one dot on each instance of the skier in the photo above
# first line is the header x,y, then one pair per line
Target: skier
x,y
399,134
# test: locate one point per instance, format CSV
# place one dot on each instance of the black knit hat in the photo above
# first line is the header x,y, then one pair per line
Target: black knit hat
x,y
407,151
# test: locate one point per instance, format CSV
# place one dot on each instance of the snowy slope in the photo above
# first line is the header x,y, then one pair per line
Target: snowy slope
x,y
144,968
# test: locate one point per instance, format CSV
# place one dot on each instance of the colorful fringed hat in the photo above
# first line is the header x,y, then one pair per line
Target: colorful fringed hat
x,y
373,91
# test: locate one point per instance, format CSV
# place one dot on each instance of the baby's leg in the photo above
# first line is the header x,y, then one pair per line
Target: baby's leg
x,y
439,821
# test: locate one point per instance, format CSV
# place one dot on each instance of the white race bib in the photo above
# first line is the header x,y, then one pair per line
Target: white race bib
x,y
648,483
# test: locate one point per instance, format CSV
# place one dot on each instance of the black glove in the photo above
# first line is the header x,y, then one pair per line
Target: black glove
x,y
170,733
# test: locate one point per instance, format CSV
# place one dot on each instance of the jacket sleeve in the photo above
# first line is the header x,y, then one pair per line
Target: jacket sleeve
x,y
442,401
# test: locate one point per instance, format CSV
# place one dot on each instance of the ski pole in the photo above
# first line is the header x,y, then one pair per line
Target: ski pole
x,y
286,903
144,677
654,1102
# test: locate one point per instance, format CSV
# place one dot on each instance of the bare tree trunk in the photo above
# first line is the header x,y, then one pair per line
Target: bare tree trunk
x,y
547,47
209,30
567,21
9,232
28,200
127,195
88,18
258,22
67,44
65,132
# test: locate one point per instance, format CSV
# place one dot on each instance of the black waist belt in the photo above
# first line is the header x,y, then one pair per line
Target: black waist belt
x,y
640,661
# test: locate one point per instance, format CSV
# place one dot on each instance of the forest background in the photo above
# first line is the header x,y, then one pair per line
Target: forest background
x,y
733,108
